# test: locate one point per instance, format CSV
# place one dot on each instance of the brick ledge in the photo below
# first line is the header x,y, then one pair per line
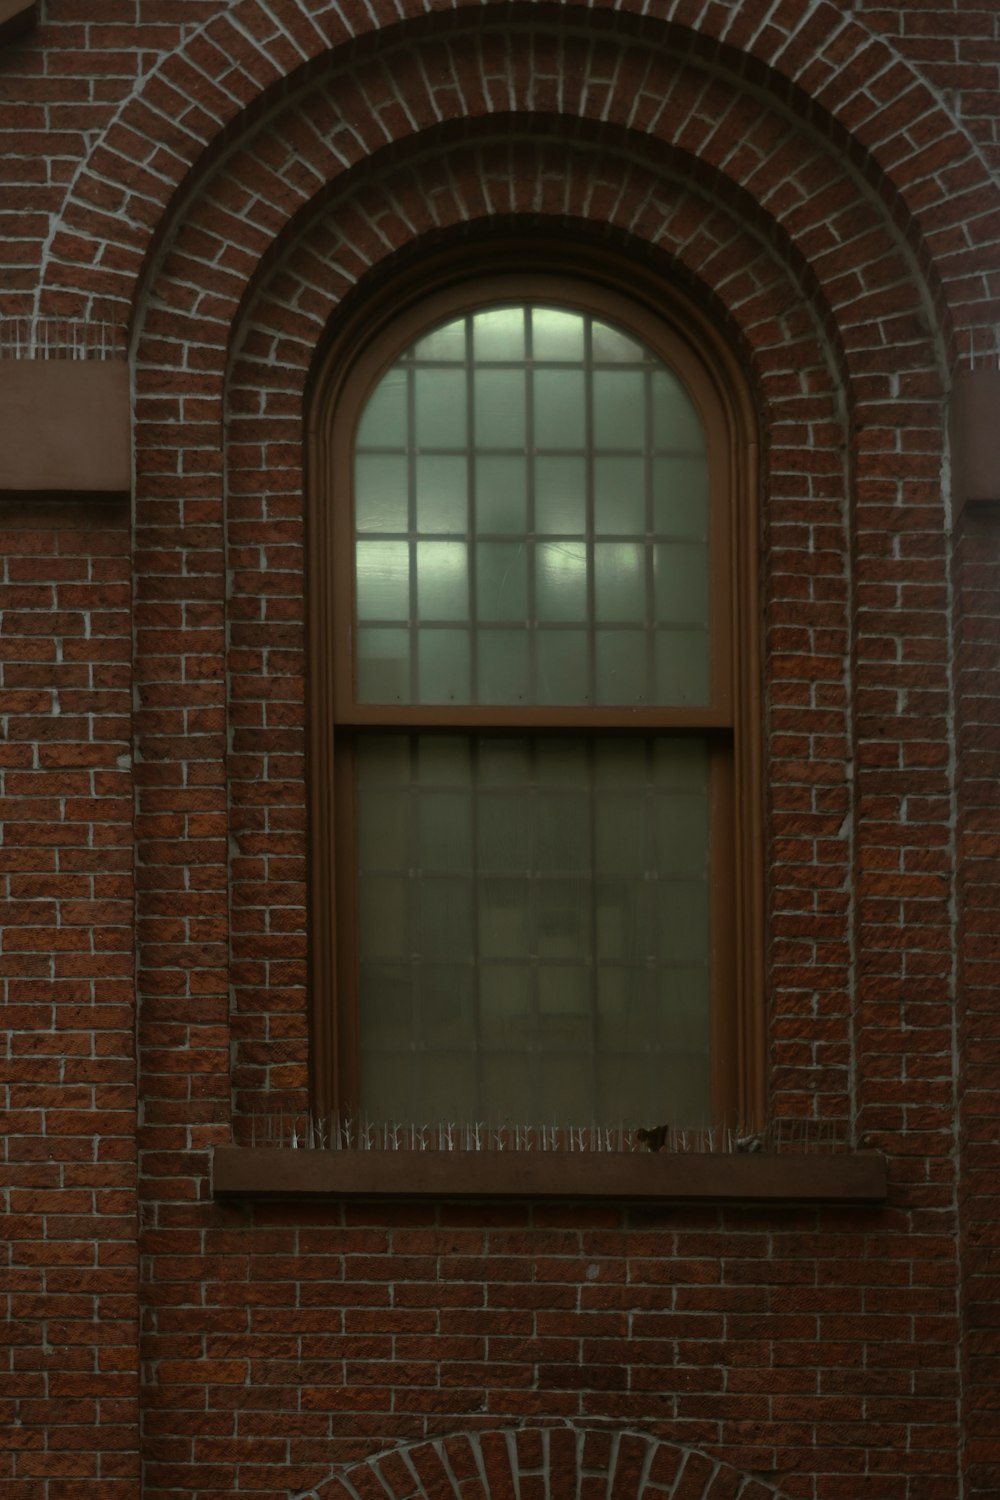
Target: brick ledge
x,y
270,1172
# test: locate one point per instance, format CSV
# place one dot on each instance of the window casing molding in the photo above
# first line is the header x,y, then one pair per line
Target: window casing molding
x,y
363,346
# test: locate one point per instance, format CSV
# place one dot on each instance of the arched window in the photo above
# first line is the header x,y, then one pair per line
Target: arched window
x,y
532,805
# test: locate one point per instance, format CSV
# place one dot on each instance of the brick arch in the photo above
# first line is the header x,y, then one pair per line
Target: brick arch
x,y
559,1461
696,241
240,64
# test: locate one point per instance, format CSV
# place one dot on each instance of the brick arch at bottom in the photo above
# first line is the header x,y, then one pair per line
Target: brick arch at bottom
x,y
543,1463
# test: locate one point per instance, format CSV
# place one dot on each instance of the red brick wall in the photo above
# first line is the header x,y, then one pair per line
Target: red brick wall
x,y
802,171
70,1362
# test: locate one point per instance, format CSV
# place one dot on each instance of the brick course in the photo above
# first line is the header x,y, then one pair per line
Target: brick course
x,y
218,180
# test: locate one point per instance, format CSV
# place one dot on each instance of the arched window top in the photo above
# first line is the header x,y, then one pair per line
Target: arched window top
x,y
532,518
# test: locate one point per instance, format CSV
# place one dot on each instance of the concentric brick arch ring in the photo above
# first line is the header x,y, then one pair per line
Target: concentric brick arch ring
x,y
556,1462
200,98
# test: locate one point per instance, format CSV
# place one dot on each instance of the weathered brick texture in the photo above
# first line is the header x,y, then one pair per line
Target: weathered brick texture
x,y
217,181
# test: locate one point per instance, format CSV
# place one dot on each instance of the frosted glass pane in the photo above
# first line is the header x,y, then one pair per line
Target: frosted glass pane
x,y
680,496
676,424
509,1093
557,334
442,493
624,919
561,495
563,763
682,919
619,409
622,843
444,921
383,580
564,1006
621,765
568,1088
505,834
504,918
562,919
682,671
440,408
387,1017
619,496
384,916
447,342
498,333
503,666
561,581
562,838
442,580
443,666
619,582
620,667
679,828
444,833
504,762
561,667
500,408
447,1006
612,344
384,828
681,765
559,409
502,581
384,760
380,492
505,1008
443,760
501,493
384,421
383,665
681,590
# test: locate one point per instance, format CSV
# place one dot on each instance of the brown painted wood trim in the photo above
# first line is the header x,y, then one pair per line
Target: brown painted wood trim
x,y
975,412
65,426
264,1172
16,17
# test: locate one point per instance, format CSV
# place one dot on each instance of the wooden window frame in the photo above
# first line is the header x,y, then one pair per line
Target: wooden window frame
x,y
362,347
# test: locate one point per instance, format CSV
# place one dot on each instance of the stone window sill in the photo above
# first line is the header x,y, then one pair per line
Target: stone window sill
x,y
267,1172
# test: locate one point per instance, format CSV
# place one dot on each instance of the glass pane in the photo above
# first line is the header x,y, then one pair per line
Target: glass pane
x,y
440,408
503,666
619,582
562,668
680,496
676,424
546,935
612,344
380,492
383,422
619,408
502,581
383,672
501,493
560,409
500,408
447,342
682,667
561,495
681,572
556,334
622,674
499,333
443,666
383,580
442,493
619,496
561,581
442,580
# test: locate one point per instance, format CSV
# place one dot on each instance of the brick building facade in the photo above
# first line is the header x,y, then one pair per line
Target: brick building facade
x,y
197,198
